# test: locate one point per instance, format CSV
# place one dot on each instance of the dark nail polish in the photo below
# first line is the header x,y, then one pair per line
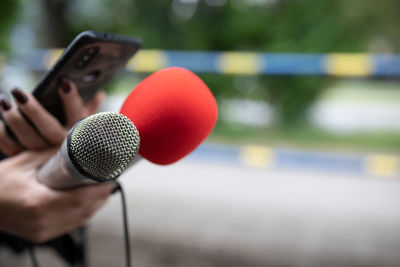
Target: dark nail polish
x,y
5,104
65,86
19,96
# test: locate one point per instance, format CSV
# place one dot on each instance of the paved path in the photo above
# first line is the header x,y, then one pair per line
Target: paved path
x,y
189,214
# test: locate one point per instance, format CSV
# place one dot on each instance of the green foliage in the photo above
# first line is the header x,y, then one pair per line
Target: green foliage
x,y
9,9
308,137
292,96
312,26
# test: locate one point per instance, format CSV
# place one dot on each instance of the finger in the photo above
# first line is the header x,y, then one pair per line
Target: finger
x,y
73,105
79,197
35,159
65,220
82,212
92,198
68,209
25,133
93,105
87,195
7,145
46,124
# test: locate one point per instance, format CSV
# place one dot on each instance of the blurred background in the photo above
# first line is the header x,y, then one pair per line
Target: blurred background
x,y
302,167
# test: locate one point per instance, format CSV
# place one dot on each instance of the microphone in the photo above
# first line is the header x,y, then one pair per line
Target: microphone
x,y
97,149
174,111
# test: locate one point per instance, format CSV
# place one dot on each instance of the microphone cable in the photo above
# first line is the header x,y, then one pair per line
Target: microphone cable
x,y
32,255
125,223
118,188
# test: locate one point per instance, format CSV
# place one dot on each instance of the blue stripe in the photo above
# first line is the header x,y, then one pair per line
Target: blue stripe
x,y
195,61
319,161
285,159
36,60
272,63
293,64
216,153
386,65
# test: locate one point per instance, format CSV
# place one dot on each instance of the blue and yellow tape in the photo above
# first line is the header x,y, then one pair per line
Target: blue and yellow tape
x,y
369,165
250,63
348,65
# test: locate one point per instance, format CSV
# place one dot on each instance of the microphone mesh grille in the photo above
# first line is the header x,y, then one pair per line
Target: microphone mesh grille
x,y
104,144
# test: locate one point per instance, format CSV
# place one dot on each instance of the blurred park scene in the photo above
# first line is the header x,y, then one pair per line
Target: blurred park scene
x,y
302,167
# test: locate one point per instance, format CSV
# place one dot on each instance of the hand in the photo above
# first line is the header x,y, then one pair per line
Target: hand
x,y
37,213
47,131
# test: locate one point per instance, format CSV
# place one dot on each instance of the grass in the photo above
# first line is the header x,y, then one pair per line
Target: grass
x,y
307,137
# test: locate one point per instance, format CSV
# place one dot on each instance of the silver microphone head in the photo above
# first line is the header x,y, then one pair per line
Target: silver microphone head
x,y
103,145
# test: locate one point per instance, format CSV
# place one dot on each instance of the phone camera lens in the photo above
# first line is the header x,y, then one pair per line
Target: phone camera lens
x,y
93,50
87,56
80,64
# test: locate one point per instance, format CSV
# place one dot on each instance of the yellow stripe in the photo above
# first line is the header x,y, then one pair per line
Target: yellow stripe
x,y
148,61
51,57
386,166
257,156
349,64
239,63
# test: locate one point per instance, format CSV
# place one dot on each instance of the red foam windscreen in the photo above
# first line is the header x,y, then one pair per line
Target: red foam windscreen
x,y
174,111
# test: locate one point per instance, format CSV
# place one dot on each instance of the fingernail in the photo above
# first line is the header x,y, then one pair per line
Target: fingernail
x,y
65,85
5,104
19,96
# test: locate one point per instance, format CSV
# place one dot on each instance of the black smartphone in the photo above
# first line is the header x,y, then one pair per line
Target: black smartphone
x,y
91,60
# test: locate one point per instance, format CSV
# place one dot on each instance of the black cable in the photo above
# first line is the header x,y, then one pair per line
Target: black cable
x,y
125,223
32,256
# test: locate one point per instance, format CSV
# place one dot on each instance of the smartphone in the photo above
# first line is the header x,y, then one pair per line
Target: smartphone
x,y
91,60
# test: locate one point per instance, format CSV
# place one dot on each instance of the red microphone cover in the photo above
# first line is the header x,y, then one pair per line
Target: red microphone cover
x,y
174,111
